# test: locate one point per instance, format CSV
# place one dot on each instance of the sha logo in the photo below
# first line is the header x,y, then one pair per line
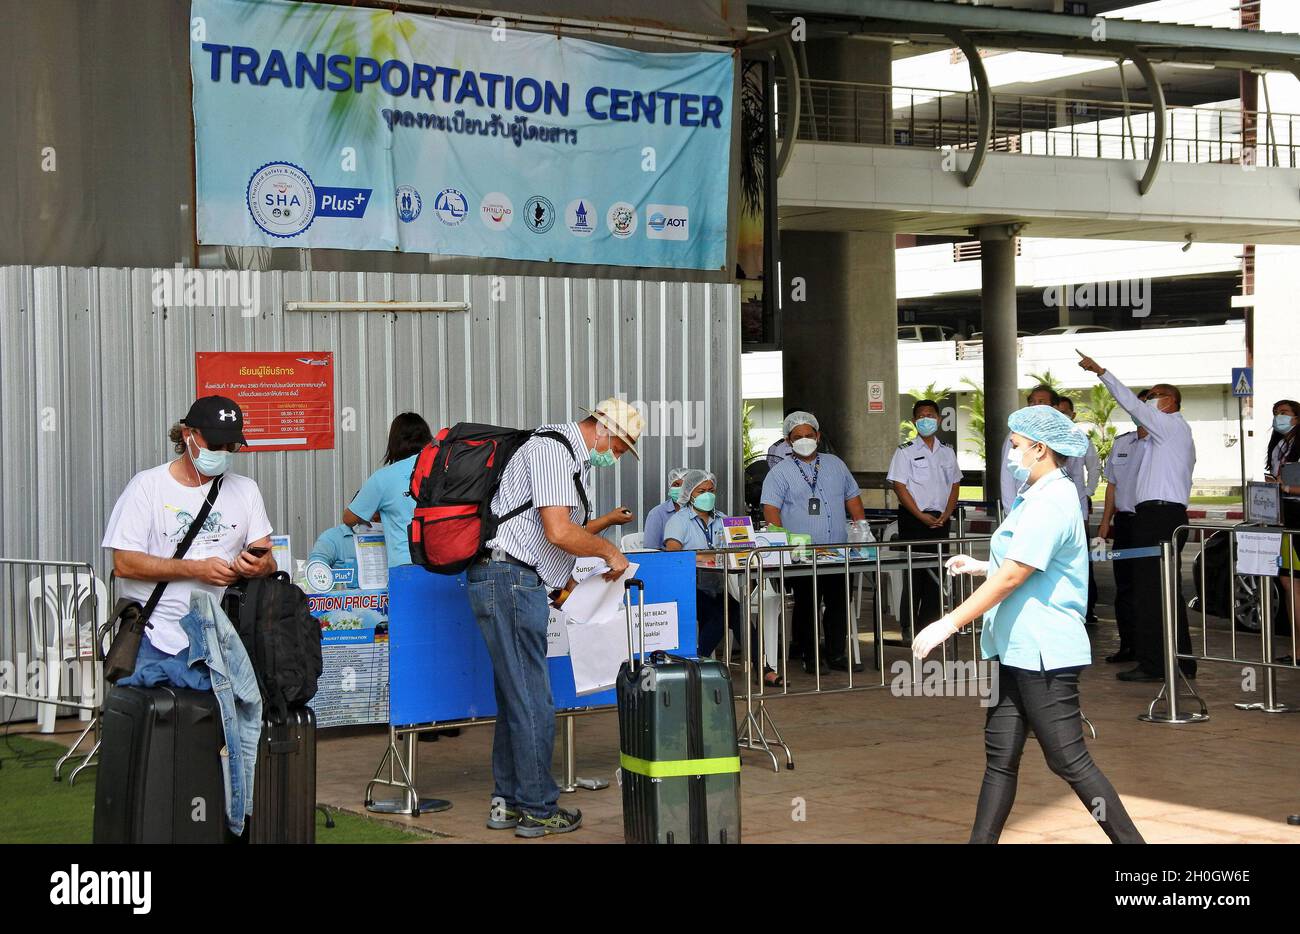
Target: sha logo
x,y
667,222
621,219
580,217
539,213
409,204
281,199
451,207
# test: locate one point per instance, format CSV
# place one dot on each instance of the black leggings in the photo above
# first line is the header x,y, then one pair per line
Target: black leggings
x,y
1048,703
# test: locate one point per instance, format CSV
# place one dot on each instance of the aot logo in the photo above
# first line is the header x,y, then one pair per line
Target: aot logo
x,y
409,204
451,207
621,219
667,222
497,212
281,199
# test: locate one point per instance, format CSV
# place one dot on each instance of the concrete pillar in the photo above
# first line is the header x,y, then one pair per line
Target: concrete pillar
x,y
839,331
998,306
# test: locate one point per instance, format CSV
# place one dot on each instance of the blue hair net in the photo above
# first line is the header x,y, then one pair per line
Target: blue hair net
x,y
1049,426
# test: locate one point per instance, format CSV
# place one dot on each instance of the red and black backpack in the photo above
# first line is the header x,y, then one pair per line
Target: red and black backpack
x,y
455,477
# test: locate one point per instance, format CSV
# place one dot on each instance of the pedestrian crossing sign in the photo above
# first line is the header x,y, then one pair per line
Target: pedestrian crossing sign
x,y
1242,381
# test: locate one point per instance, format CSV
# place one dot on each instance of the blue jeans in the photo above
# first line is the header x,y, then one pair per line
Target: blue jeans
x,y
215,661
510,603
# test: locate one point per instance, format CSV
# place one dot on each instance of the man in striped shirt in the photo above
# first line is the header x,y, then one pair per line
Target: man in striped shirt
x,y
529,565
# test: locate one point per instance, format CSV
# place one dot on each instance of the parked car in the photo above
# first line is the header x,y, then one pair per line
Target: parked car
x,y
979,335
1074,329
917,333
1173,323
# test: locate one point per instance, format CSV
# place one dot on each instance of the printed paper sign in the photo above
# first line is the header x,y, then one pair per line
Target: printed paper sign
x,y
287,398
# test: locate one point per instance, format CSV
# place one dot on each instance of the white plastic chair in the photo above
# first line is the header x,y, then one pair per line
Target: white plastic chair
x,y
53,620
633,542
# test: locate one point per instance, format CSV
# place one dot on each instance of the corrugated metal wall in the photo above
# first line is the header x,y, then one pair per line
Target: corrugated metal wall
x,y
92,374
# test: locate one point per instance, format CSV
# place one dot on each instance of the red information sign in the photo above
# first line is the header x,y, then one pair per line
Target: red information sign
x,y
287,398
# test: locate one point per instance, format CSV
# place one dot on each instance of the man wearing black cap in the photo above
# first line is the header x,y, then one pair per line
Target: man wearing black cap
x,y
154,513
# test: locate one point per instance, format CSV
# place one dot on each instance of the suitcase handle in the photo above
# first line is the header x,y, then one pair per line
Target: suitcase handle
x,y
627,608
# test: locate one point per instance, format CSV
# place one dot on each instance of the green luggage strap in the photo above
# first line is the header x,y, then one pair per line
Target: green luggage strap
x,y
675,768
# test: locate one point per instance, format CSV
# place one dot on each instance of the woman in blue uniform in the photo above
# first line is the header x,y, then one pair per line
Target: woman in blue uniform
x,y
1033,604
659,516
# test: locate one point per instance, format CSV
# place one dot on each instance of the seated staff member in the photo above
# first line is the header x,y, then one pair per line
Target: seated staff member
x,y
1032,604
1164,488
1085,471
337,546
1283,449
1041,394
658,517
697,526
811,493
927,481
1117,526
386,493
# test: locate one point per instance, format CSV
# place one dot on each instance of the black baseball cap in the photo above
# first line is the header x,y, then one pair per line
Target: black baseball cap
x,y
220,419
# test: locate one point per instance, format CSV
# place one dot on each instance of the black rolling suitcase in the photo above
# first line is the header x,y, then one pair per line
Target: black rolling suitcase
x,y
679,761
160,778
284,785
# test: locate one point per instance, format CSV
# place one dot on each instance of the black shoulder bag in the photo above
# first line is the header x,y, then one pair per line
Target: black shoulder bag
x,y
132,619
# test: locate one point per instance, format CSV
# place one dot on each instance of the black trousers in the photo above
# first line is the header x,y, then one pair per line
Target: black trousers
x,y
1155,523
1122,528
922,590
1046,702
830,593
709,611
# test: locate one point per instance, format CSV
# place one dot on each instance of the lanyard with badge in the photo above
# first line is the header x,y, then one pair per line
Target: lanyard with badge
x,y
814,501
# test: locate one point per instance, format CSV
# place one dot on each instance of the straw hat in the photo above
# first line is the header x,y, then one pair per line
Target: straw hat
x,y
622,420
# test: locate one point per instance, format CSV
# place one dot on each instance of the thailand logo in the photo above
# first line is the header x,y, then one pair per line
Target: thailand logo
x,y
409,204
497,212
578,216
451,207
621,219
540,214
667,222
281,199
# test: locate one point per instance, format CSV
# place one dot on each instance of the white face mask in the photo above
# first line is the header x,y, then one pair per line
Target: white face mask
x,y
1155,404
804,446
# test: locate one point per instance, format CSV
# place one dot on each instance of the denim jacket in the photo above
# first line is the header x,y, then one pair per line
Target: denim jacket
x,y
213,640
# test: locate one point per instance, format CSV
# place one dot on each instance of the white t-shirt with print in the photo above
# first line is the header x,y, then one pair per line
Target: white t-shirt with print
x,y
152,516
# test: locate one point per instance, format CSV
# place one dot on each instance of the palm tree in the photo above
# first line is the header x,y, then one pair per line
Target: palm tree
x,y
975,410
1097,410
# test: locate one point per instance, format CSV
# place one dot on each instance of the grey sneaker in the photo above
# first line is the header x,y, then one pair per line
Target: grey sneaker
x,y
561,821
503,817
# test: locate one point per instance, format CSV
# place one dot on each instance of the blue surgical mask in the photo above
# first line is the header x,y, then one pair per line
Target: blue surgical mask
x,y
603,458
705,502
1018,470
675,494
1282,423
927,426
211,463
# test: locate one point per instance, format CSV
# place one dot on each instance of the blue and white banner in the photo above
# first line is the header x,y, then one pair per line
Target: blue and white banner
x,y
363,129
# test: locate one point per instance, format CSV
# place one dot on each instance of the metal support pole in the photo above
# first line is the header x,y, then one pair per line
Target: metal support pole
x,y
1270,704
571,781
1169,616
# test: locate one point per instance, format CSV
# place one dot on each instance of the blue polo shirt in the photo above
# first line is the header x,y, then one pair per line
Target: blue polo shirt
x,y
656,521
1039,626
695,534
791,483
386,493
337,547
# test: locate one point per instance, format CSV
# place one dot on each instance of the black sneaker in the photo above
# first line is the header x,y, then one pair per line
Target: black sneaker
x,y
1139,675
503,817
561,821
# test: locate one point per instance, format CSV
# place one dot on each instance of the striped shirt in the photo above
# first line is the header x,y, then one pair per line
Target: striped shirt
x,y
541,471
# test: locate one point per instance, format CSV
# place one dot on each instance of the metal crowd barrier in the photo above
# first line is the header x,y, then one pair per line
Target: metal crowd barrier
x,y
50,656
873,564
1243,601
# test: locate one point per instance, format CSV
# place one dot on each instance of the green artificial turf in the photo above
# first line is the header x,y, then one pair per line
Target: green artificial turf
x,y
36,809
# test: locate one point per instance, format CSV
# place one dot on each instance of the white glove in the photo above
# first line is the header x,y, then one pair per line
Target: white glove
x,y
932,636
965,564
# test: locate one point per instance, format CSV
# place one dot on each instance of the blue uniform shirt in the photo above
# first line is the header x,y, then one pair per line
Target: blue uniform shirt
x,y
789,487
1040,625
656,521
695,534
386,493
337,547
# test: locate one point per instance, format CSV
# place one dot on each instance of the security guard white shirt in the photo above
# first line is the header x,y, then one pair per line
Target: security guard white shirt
x,y
1122,469
928,474
1085,471
1166,472
1010,486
